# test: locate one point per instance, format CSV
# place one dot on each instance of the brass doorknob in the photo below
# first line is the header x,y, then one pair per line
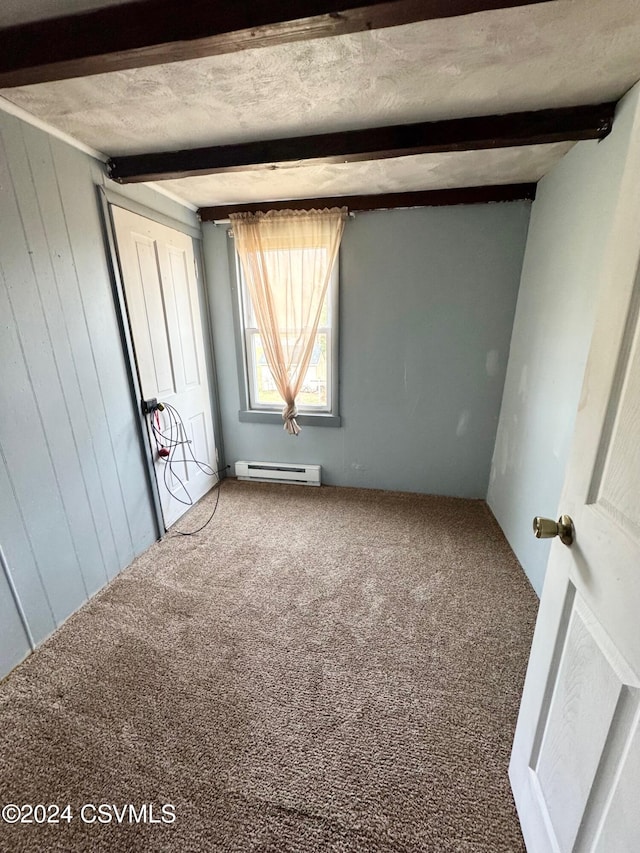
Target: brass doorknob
x,y
547,528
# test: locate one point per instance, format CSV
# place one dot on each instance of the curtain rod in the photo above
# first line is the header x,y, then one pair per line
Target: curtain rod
x,y
483,194
350,214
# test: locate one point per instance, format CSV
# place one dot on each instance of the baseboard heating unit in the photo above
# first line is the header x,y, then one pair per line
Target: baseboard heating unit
x,y
279,472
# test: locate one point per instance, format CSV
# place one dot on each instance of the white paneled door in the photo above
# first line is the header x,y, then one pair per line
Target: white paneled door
x,y
161,289
575,767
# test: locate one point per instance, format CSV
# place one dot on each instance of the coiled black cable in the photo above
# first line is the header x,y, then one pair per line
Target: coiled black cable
x,y
167,440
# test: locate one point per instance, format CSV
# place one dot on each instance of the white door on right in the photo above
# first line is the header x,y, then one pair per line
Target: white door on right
x,y
575,767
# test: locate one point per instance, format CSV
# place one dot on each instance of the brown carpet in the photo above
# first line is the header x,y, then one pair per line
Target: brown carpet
x,y
319,670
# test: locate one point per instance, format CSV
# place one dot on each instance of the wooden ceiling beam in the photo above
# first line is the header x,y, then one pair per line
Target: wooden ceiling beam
x,y
382,201
379,143
154,32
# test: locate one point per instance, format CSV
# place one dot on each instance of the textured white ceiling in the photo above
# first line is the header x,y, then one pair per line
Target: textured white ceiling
x,y
21,11
426,171
559,53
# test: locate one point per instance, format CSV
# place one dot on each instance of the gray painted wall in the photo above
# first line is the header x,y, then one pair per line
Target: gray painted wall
x,y
74,500
570,225
427,298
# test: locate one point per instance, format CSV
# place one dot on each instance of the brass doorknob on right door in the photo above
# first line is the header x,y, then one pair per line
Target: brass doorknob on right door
x,y
547,528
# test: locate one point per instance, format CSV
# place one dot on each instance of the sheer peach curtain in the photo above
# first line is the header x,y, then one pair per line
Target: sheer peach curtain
x,y
287,258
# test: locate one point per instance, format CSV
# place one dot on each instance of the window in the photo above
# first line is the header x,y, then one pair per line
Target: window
x,y
318,394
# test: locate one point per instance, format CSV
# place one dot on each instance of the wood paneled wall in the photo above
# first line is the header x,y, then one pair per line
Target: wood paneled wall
x,y
75,506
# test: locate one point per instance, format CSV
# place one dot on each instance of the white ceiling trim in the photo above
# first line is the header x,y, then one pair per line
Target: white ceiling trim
x,y
170,195
14,110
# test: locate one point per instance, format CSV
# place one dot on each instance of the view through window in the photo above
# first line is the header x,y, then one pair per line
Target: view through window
x,y
316,391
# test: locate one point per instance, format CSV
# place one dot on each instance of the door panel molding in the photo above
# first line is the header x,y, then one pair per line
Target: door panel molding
x,y
166,323
107,198
127,345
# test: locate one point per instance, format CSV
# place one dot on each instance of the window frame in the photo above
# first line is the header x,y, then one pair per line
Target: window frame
x,y
263,414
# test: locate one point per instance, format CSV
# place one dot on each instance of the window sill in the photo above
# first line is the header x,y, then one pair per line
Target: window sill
x,y
322,419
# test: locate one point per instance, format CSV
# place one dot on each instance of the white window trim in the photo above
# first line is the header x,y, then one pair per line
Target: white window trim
x,y
269,414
